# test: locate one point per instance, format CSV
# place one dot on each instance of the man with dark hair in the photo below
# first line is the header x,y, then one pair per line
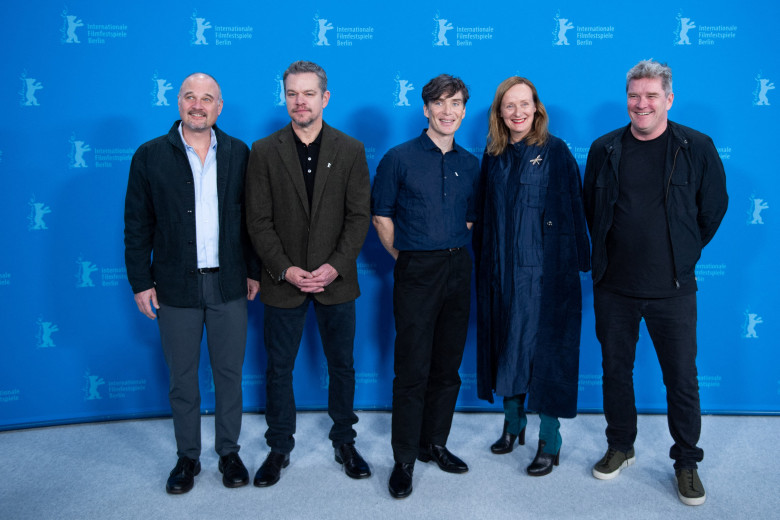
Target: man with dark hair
x,y
423,207
188,255
308,192
655,193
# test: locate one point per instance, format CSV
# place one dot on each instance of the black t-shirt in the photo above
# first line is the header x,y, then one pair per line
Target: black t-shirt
x,y
639,250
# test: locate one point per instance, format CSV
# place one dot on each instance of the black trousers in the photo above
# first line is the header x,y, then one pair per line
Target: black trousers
x,y
181,331
431,299
671,323
283,329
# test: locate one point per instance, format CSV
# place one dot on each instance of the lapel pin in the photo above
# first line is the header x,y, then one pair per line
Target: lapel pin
x,y
536,161
328,165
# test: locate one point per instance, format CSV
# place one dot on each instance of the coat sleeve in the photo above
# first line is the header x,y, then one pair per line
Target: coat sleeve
x,y
139,225
357,214
711,199
260,215
588,187
578,213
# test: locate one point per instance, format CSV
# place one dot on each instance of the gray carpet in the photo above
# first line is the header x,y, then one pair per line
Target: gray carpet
x,y
118,471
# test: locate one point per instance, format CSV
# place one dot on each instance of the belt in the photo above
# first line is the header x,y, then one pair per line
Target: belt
x,y
206,270
449,250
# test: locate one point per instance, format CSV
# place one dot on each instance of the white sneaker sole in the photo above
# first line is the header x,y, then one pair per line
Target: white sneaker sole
x,y
609,476
690,501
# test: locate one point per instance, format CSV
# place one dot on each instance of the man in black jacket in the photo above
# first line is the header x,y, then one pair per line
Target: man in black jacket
x,y
655,193
188,256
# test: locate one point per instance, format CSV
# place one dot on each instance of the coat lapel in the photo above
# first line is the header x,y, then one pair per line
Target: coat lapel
x,y
327,160
292,165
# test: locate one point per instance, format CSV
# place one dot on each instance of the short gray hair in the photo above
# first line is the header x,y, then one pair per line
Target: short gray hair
x,y
301,67
651,69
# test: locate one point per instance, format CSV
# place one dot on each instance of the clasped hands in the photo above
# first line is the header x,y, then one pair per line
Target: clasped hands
x,y
311,282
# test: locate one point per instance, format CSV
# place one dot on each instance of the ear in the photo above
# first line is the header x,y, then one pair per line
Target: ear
x,y
425,112
325,98
669,101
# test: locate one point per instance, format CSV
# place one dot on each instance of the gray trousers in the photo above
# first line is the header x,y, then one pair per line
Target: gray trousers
x,y
181,332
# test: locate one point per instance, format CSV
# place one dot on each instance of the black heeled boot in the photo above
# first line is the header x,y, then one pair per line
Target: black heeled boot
x,y
543,462
506,442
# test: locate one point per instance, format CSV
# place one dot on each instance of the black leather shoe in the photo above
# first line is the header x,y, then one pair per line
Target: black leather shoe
x,y
506,442
355,466
400,484
442,456
234,473
543,462
182,477
271,470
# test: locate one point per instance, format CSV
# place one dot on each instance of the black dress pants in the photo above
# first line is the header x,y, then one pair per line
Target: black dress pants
x,y
431,299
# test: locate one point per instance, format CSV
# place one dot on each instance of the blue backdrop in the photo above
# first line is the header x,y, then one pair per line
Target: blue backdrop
x,y
84,85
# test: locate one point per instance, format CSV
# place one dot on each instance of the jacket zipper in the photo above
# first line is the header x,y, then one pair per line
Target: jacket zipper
x,y
666,205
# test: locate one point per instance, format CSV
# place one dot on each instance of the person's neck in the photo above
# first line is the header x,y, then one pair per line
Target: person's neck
x,y
444,142
307,134
197,140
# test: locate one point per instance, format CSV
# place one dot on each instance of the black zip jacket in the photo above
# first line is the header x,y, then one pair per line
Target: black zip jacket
x,y
695,196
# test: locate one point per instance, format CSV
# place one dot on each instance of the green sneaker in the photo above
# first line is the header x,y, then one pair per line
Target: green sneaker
x,y
612,462
689,488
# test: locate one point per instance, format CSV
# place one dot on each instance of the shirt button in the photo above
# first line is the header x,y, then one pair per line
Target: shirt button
x,y
549,223
308,171
310,158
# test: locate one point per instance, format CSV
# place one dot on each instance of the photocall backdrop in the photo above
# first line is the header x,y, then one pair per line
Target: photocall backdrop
x,y
84,84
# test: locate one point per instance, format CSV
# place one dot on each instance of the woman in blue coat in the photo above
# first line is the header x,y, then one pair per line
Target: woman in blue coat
x,y
530,243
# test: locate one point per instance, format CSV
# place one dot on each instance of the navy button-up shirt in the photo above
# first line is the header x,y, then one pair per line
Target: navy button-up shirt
x,y
429,195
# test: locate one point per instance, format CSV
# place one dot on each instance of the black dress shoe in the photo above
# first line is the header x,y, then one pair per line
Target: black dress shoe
x,y
355,466
543,462
271,470
506,442
442,456
182,477
400,484
234,473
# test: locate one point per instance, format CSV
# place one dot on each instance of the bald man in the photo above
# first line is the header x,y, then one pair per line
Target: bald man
x,y
190,265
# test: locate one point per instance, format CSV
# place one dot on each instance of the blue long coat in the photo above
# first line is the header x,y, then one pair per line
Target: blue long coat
x,y
530,243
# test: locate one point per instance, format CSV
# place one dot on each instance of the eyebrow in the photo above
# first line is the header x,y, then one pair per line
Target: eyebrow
x,y
190,92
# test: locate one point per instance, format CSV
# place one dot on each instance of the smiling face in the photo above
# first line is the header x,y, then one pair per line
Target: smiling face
x,y
304,98
648,105
445,115
517,111
200,103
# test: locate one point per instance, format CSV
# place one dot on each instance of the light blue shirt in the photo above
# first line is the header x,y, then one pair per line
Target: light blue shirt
x,y
204,178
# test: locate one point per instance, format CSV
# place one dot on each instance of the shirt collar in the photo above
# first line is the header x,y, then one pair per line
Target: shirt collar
x,y
213,144
316,141
428,144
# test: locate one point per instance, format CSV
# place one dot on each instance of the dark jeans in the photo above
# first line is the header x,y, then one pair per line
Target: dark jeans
x,y
283,329
431,299
181,331
671,323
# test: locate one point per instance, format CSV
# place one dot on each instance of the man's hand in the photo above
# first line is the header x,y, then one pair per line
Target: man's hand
x,y
252,288
298,277
143,299
322,276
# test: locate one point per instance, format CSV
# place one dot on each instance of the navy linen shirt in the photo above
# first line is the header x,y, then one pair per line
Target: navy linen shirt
x,y
429,195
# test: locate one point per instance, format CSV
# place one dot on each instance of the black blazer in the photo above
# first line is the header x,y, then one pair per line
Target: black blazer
x,y
160,246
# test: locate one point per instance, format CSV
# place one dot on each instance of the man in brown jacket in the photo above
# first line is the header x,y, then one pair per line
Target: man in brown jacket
x,y
308,192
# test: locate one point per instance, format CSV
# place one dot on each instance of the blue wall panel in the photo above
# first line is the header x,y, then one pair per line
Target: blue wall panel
x,y
83,86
